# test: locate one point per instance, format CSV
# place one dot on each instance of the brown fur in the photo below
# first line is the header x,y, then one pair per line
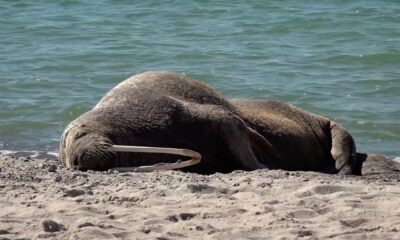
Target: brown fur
x,y
164,109
302,140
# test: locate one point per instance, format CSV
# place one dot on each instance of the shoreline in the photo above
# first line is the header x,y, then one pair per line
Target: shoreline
x,y
42,200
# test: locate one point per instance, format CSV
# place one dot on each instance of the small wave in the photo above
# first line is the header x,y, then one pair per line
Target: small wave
x,y
378,58
73,111
397,159
7,152
31,154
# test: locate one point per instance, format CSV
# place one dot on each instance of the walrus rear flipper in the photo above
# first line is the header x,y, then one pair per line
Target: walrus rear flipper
x,y
372,164
343,150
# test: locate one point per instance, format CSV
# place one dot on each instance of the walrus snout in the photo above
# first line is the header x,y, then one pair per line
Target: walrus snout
x,y
86,151
90,159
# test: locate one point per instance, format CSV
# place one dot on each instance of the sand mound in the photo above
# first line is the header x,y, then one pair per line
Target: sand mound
x,y
39,199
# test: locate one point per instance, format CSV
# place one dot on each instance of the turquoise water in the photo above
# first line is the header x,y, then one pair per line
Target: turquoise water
x,y
339,59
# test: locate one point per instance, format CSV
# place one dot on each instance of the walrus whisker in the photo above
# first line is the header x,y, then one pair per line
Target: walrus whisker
x,y
195,158
94,150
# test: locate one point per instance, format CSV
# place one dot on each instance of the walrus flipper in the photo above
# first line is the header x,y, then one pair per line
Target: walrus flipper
x,y
343,150
265,152
377,164
239,144
232,131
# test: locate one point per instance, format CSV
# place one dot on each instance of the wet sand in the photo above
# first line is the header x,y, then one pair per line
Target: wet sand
x,y
41,200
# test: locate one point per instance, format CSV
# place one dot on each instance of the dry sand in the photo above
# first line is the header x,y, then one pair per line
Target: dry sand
x,y
40,199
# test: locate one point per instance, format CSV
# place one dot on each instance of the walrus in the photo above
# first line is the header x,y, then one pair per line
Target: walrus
x,y
165,109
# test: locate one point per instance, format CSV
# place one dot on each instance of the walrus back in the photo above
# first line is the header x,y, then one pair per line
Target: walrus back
x,y
173,85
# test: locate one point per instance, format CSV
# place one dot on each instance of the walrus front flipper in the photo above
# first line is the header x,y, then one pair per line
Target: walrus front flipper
x,y
377,164
343,150
263,149
239,144
230,134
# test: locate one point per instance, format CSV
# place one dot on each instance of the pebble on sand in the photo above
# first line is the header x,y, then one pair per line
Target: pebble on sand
x,y
52,226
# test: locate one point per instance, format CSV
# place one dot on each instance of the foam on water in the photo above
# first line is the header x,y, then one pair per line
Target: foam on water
x,y
31,154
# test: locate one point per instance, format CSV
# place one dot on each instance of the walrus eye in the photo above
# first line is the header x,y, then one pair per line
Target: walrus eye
x,y
80,134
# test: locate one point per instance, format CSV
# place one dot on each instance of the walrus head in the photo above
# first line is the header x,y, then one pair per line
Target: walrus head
x,y
84,148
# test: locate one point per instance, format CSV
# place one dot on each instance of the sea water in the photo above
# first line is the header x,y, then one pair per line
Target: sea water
x,y
340,59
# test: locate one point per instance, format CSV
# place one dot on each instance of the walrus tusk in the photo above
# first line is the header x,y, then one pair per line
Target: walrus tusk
x,y
195,158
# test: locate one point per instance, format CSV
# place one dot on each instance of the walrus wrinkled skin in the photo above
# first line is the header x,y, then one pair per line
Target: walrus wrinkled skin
x,y
163,109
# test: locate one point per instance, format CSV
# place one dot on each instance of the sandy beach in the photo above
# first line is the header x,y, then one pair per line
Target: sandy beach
x,y
41,200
